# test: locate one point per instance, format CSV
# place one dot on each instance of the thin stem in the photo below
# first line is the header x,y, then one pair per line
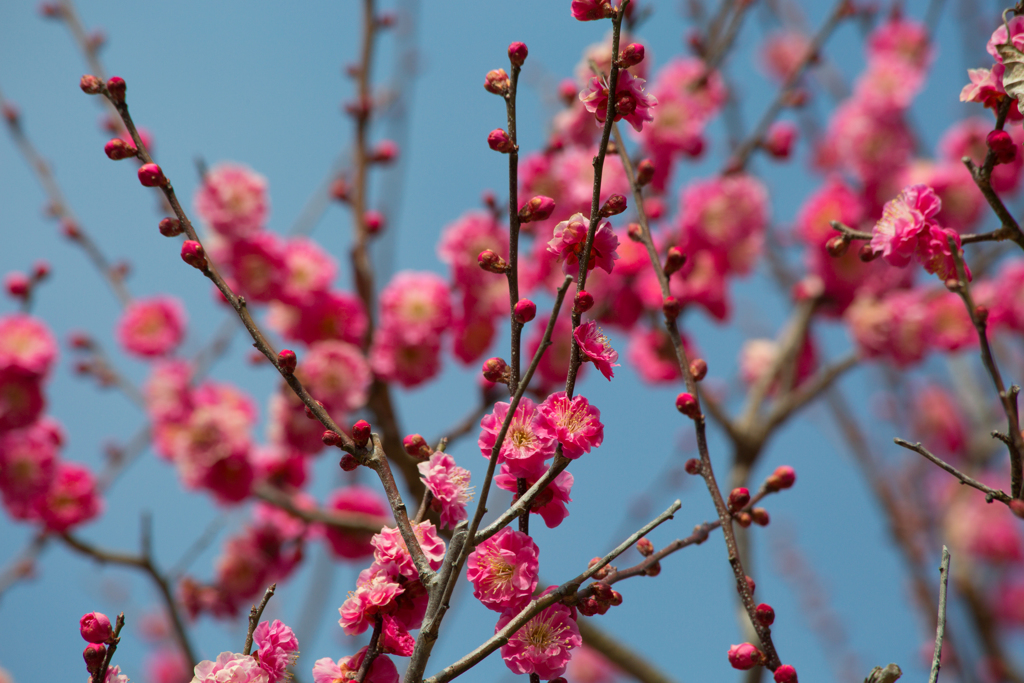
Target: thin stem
x,y
100,674
990,493
372,650
343,521
982,177
254,617
940,628
513,230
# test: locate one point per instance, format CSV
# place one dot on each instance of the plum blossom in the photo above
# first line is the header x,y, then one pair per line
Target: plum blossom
x,y
543,645
21,398
233,200
391,553
337,374
416,305
573,422
375,591
354,545
503,570
631,102
550,503
896,234
597,348
278,648
28,464
395,359
524,445
449,485
152,327
230,667
26,344
71,499
569,240
381,671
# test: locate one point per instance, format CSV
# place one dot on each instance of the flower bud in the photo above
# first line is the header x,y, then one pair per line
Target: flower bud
x,y
331,438
385,152
286,360
361,432
673,261
671,307
499,141
584,301
614,205
348,463
738,499
537,209
10,113
496,370
591,10
867,253
616,599
1017,507
90,85
644,172
779,139
117,149
837,245
340,189
170,227
751,585
374,221
94,654
491,262
635,232
496,82
589,607
18,285
645,547
743,519
692,466
760,516
150,175
524,311
783,477
687,405
764,614
517,53
193,254
785,674
602,591
699,369
1002,146
744,656
116,87
603,571
981,314
631,55
95,627
310,414
653,569
416,446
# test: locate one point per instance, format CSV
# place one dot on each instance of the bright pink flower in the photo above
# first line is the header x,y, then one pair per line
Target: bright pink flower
x,y
416,305
574,422
901,39
230,667
550,504
938,420
597,348
543,645
278,648
308,270
337,374
904,220
323,316
983,530
589,10
26,344
381,671
503,570
257,264
782,51
354,545
395,639
391,553
152,327
21,398
449,485
999,37
961,200
744,656
631,102
28,464
653,356
570,238
395,360
524,445
936,255
726,215
233,200
71,499
375,591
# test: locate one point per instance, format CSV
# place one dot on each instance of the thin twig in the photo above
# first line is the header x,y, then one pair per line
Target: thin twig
x,y
940,627
100,675
372,650
254,617
990,493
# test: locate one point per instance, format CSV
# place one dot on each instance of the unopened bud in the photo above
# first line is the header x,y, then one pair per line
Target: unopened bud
x,y
90,85
95,627
192,253
779,139
340,189
94,654
744,656
981,314
785,674
496,82
687,405
286,360
635,232
496,370
331,438
416,446
310,414
644,172
385,152
517,53
738,499
70,229
491,262
760,516
674,261
783,477
524,311
837,245
751,585
10,113
584,301
699,369
671,307
603,571
613,206
743,519
18,285
616,599
118,149
116,87
361,432
867,253
764,614
150,175
1003,148
170,227
653,569
692,466
631,55
602,591
645,547
539,208
499,141
348,463
374,221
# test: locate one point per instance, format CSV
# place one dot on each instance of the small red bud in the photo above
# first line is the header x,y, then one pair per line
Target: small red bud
x,y
361,432
171,227
785,674
738,499
687,405
645,547
568,91
751,585
744,656
150,175
18,285
602,591
588,607
340,189
70,229
524,311
537,209
631,55
348,463
491,262
496,82
867,254
193,254
644,172
837,245
692,466
1003,148
310,414
760,516
80,340
1017,507
584,301
783,477
764,614
331,438
94,654
743,519
517,53
416,446
674,261
286,360
116,87
635,232
699,369
496,370
385,152
671,307
653,569
616,599
117,149
779,139
90,85
374,221
981,314
499,141
614,205
11,113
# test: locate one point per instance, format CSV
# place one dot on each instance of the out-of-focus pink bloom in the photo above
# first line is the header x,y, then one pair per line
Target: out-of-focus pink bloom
x,y
782,52
257,264
589,666
952,329
872,143
631,102
391,553
570,238
652,355
416,306
395,360
168,391
966,138
888,85
152,327
779,139
550,504
279,465
167,665
901,39
573,422
278,648
233,200
71,499
308,270
833,201
597,348
758,355
525,445
904,220
21,398
381,671
726,215
961,199
462,241
288,426
983,530
896,327
555,362
1008,601
230,666
937,418
999,37
449,484
323,316
26,344
503,570
354,545
337,374
28,464
543,645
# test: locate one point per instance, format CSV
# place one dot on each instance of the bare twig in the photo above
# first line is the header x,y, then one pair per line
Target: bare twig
x,y
990,493
254,617
372,650
940,627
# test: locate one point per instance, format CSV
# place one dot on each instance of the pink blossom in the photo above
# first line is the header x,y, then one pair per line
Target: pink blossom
x,y
233,200
936,255
653,356
631,102
323,316
569,241
257,264
309,270
782,52
555,362
410,364
391,553
168,391
503,570
462,241
381,671
354,545
26,344
896,326
985,87
904,220
278,648
543,645
279,465
572,173
166,665
152,327
1003,296
597,348
28,464
230,666
574,422
983,530
961,199
589,666
701,281
524,445
288,426
337,374
449,485
71,499
726,215
999,37
951,326
938,419
550,503
688,97
395,639
114,675
870,142
21,398
589,10
900,39
966,138
416,305
375,592
888,85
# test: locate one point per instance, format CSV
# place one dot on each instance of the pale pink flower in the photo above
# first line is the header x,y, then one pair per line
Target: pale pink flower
x,y
416,306
152,327
985,87
278,648
573,171
679,81
701,281
354,545
462,241
589,666
503,570
554,364
391,553
26,344
951,326
631,102
114,675
257,265
230,667
524,445
166,665
961,199
782,51
381,671
168,391
938,420
395,360
550,503
71,499
832,201
1004,296
574,422
288,426
985,531
233,200
901,39
308,270
896,327
904,220
279,465
543,645
375,591
28,465
337,374
449,485
596,346
570,238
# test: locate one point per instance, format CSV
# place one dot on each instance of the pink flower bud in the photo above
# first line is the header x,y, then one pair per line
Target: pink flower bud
x,y
837,245
615,205
764,614
496,370
674,261
867,254
517,53
94,654
751,585
150,175
616,599
496,82
80,340
361,433
416,446
524,311
981,314
116,87
783,477
170,227
738,499
631,55
348,463
499,141
70,229
687,405
18,285
310,414
90,85
590,10
699,369
589,607
193,254
644,172
645,547
340,189
671,307
785,674
602,591
635,232
95,627
287,360
1002,146
779,139
568,91
539,208
692,466
653,569
331,438
744,656
760,516
1017,507
385,152
51,10
584,301
118,149
743,519
603,571
491,262
374,221
41,270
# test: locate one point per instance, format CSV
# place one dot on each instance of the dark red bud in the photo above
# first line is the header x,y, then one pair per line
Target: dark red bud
x,y
616,599
867,254
491,262
286,360
760,516
837,245
783,477
699,369
116,87
94,654
499,141
150,175
361,432
584,301
1003,148
631,55
671,307
496,370
615,205
738,499
193,254
118,149
644,172
517,53
687,405
654,569
674,261
539,208
348,463
524,311
764,614
635,232
692,466
374,221
331,438
743,519
645,547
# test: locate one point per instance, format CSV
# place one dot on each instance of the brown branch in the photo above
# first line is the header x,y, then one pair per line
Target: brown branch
x,y
982,177
990,493
254,617
372,650
343,521
940,628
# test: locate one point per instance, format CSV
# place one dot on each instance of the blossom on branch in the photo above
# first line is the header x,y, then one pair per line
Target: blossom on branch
x,y
570,239
631,102
543,645
449,485
597,348
503,570
573,422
